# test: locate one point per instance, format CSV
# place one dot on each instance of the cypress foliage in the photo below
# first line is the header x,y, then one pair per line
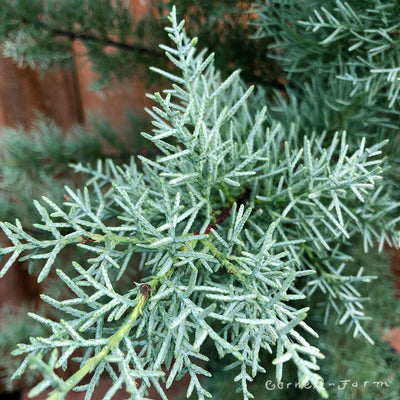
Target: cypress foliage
x,y
341,60
243,227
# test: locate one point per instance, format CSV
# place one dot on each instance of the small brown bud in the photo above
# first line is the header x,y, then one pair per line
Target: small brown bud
x,y
145,289
85,240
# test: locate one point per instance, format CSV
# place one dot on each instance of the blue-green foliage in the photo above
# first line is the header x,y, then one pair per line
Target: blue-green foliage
x,y
342,63
236,220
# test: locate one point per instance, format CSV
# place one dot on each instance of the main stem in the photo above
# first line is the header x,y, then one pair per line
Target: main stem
x,y
113,342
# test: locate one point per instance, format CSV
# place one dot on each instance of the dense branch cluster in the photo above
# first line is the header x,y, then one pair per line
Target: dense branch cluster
x,y
234,223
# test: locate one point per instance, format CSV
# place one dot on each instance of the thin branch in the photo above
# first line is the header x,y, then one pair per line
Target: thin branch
x,y
226,212
142,50
113,342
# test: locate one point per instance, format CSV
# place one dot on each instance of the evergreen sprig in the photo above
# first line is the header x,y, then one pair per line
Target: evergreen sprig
x,y
343,55
335,32
234,222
